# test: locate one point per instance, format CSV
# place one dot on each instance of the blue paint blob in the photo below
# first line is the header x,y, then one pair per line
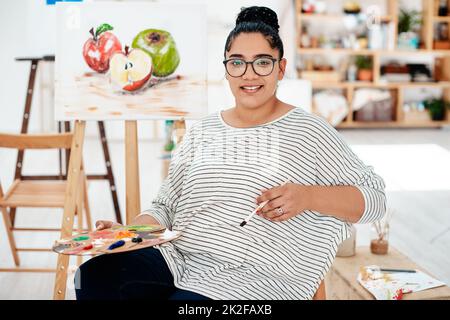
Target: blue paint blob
x,y
116,245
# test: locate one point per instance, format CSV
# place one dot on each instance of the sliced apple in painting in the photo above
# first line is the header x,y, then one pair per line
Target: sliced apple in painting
x,y
118,65
131,70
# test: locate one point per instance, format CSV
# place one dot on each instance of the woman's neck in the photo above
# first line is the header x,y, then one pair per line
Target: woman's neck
x,y
256,116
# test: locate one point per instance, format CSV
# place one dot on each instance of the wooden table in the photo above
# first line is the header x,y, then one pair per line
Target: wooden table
x,y
341,283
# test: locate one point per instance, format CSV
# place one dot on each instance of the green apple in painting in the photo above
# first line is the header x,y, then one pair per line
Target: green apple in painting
x,y
161,47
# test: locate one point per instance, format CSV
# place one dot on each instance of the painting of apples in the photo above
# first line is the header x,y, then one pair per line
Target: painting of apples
x,y
130,61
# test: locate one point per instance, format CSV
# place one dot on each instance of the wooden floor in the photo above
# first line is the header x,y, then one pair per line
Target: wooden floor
x,y
414,163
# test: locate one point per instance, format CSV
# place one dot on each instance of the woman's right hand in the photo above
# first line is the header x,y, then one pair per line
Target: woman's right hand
x,y
105,224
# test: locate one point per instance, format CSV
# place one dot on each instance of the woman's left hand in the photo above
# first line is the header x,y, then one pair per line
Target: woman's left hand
x,y
285,201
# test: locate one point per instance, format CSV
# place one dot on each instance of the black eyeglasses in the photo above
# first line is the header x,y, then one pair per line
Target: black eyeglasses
x,y
238,67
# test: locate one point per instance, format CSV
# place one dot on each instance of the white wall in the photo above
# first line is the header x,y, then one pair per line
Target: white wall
x,y
13,32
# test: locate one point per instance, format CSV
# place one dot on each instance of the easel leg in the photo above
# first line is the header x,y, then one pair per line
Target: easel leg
x,y
112,184
24,128
73,178
60,155
67,129
109,176
87,209
79,210
133,198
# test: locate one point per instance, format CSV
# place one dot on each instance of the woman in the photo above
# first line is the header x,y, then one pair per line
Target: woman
x,y
260,150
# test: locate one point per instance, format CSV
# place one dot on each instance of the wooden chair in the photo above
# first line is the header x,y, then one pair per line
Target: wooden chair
x,y
41,194
320,293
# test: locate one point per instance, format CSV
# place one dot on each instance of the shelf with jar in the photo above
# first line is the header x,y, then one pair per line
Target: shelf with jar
x,y
397,33
397,111
385,106
440,20
367,29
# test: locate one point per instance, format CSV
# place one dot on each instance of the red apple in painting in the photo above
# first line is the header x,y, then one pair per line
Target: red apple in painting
x,y
98,50
131,70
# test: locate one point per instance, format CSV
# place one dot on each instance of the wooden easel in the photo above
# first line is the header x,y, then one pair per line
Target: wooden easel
x,y
133,207
24,129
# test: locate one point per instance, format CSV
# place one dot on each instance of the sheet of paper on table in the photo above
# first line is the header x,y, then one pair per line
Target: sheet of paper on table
x,y
392,285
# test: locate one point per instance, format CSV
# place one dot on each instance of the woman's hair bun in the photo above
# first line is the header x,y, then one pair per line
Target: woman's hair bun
x,y
259,14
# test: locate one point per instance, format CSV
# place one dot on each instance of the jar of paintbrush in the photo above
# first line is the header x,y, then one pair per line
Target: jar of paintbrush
x,y
380,235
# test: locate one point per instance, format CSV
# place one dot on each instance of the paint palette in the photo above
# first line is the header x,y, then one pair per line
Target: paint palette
x,y
115,240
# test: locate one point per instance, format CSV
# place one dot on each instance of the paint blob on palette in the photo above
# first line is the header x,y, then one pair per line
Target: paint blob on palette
x,y
115,240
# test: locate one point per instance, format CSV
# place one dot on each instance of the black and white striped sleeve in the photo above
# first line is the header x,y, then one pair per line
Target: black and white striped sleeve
x,y
164,205
337,164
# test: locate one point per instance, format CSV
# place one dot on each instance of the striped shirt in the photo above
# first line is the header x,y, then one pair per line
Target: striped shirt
x,y
214,178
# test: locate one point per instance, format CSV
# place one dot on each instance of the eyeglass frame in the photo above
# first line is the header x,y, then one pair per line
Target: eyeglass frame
x,y
253,67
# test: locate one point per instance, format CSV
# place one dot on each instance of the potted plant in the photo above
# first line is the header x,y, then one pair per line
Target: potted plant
x,y
408,29
436,108
364,65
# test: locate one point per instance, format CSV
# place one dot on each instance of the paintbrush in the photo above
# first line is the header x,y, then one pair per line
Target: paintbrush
x,y
398,270
261,205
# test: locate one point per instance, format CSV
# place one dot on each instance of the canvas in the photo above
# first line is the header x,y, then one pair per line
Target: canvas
x,y
130,61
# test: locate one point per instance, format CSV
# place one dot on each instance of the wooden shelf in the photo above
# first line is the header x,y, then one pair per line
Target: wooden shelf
x,y
337,16
398,89
343,85
441,19
440,84
418,52
370,51
392,124
365,84
335,50
322,16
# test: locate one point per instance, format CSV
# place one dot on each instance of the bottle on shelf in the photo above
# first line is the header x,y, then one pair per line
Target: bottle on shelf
x,y
443,33
305,40
443,8
352,71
